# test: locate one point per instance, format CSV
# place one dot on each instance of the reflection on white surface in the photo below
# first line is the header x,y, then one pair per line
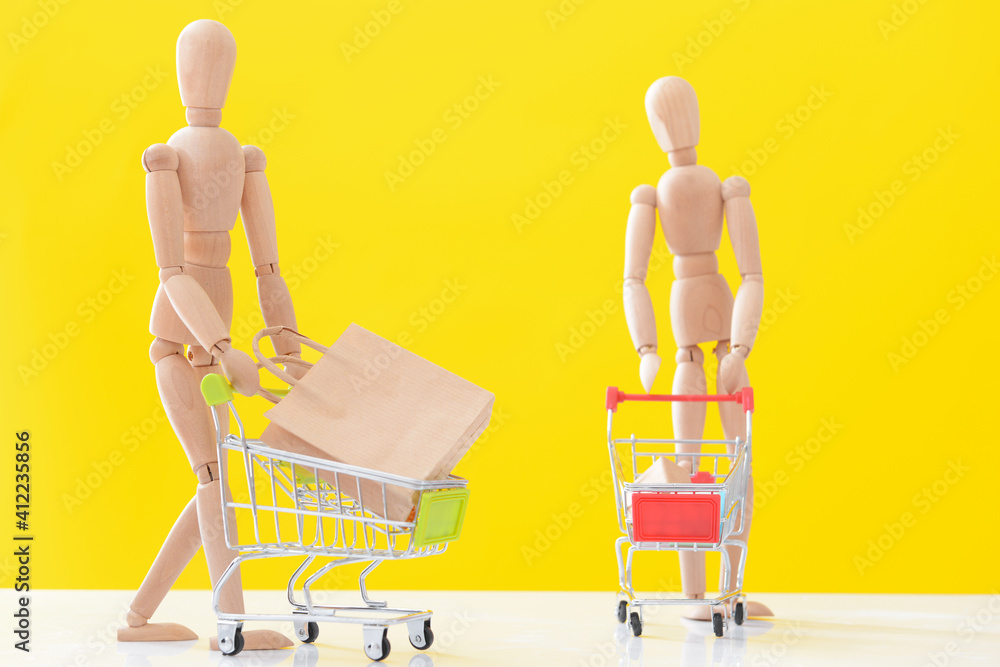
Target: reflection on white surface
x,y
71,628
306,655
138,654
699,646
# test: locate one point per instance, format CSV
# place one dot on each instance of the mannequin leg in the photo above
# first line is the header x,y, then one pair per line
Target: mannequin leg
x,y
178,383
177,551
733,426
208,498
689,424
180,546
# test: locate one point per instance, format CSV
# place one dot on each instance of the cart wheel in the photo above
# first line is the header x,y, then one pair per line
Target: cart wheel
x,y
378,649
238,643
636,623
311,633
423,639
622,611
717,623
738,613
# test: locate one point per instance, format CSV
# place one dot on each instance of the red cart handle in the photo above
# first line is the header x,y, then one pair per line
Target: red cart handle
x,y
616,396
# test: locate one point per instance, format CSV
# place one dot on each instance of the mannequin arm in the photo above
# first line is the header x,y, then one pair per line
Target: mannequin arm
x,y
257,211
165,210
166,223
743,235
638,306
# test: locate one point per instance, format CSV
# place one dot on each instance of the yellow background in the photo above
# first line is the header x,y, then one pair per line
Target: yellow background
x,y
331,126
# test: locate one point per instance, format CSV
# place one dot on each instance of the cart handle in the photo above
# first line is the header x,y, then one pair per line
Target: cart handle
x,y
218,390
743,397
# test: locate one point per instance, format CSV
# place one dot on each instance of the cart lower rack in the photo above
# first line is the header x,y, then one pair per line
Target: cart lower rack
x,y
313,508
703,515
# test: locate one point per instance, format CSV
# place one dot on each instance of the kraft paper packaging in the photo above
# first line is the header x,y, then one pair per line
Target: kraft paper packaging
x,y
370,403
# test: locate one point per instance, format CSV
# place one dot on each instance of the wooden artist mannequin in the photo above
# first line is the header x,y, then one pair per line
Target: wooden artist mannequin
x,y
195,184
691,202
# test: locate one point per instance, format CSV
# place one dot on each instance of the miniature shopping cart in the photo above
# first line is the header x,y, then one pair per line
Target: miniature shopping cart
x,y
317,508
703,515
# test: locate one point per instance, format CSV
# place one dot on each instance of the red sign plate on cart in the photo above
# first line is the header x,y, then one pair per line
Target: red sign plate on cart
x,y
675,517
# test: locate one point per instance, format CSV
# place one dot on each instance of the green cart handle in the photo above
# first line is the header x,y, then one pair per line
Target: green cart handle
x,y
217,390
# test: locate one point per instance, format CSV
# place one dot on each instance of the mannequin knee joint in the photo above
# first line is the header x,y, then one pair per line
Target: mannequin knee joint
x,y
207,473
161,349
690,354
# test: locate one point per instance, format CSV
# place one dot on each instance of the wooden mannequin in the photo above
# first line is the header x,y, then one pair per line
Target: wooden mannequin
x,y
691,202
195,184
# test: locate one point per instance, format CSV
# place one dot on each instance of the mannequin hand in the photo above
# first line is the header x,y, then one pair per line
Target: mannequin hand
x,y
733,371
241,371
649,365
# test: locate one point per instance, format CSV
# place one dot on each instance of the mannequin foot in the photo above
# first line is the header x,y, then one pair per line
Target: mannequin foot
x,y
257,640
698,612
140,630
704,612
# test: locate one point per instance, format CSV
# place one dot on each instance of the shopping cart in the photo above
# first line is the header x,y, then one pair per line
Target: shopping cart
x,y
296,510
703,515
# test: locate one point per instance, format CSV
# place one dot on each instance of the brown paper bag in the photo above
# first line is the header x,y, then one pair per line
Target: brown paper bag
x,y
370,403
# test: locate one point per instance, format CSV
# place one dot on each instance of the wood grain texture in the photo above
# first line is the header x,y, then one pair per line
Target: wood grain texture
x,y
206,57
672,109
639,235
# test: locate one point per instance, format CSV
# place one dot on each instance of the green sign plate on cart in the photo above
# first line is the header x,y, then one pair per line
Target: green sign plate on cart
x,y
441,516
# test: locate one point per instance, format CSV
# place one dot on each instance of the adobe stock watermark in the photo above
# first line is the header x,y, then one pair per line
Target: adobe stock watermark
x,y
427,314
596,318
86,312
8,568
497,421
958,297
32,23
796,459
780,305
103,639
295,275
121,108
581,159
562,522
913,168
421,319
452,119
223,7
775,652
209,188
370,30
561,12
922,502
279,121
712,29
899,16
451,627
103,468
606,653
786,127
967,630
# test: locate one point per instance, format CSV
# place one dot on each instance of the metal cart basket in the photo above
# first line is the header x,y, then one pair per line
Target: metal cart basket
x,y
317,508
703,515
